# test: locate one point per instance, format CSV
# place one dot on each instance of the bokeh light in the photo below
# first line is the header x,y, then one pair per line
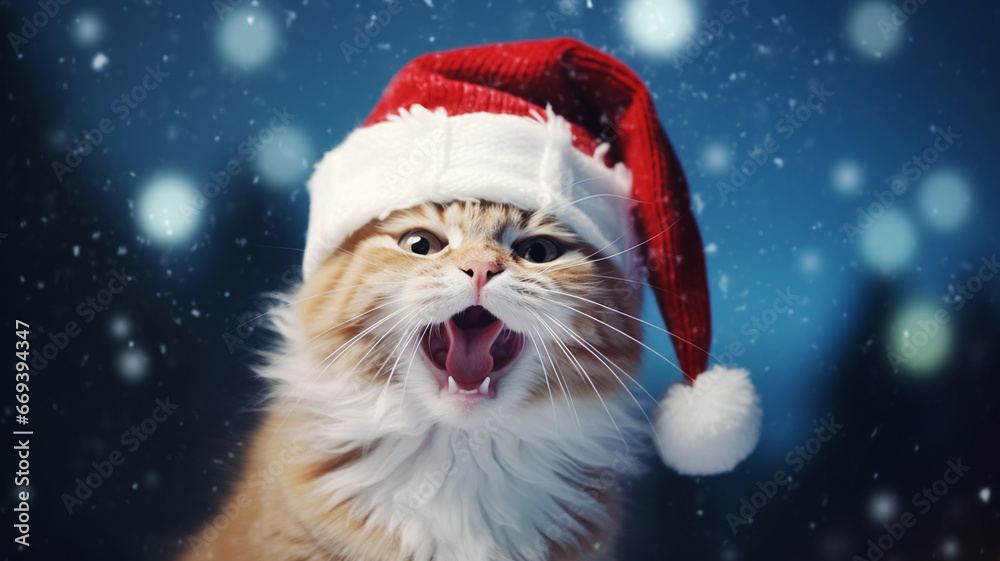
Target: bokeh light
x,y
133,364
120,327
920,339
166,211
871,30
87,29
950,548
889,242
810,262
659,27
100,61
287,159
847,177
945,199
716,157
248,38
883,507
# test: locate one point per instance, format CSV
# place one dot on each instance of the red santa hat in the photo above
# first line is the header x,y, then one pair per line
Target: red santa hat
x,y
561,127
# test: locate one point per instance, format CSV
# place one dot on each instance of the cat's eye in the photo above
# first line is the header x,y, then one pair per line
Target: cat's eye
x,y
539,250
420,242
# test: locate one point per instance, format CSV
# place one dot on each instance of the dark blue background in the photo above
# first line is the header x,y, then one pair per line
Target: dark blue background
x,y
782,230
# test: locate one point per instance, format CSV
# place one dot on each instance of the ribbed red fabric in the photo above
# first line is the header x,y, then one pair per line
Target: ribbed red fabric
x,y
604,101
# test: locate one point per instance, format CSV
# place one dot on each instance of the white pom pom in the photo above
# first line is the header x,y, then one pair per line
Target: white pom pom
x,y
709,427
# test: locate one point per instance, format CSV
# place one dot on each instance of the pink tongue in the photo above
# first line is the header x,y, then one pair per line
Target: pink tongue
x,y
469,359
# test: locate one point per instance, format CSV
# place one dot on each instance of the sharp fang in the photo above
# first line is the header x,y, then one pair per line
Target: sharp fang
x,y
485,388
452,386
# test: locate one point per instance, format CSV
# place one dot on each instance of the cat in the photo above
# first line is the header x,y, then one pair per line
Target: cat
x,y
456,377
454,384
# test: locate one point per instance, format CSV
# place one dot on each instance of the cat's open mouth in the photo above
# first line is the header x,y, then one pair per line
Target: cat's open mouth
x,y
470,353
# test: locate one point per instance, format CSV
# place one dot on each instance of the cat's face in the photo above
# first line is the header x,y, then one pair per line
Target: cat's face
x,y
470,306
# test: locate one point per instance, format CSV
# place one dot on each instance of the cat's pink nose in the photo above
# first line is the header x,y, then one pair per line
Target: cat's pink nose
x,y
481,272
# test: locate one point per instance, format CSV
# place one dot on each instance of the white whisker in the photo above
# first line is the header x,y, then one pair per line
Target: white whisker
x,y
586,377
607,363
545,375
644,322
559,376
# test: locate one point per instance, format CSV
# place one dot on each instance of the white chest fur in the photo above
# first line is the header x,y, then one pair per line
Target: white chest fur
x,y
501,487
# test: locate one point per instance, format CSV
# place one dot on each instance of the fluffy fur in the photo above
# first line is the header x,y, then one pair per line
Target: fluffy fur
x,y
361,458
708,427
